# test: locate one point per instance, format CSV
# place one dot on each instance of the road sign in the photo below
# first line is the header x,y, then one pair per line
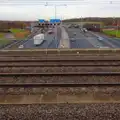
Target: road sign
x,y
55,20
41,20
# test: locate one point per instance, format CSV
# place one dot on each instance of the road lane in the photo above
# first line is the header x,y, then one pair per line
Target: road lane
x,y
51,41
56,40
114,41
86,40
44,44
78,41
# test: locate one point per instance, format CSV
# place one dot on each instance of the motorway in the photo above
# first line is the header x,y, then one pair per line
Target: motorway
x,y
90,39
80,40
51,40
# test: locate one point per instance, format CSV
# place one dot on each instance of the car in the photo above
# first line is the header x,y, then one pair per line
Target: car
x,y
50,31
103,47
69,26
85,29
76,26
74,34
21,46
72,39
100,38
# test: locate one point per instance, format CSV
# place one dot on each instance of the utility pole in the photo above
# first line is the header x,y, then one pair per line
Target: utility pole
x,y
81,22
55,11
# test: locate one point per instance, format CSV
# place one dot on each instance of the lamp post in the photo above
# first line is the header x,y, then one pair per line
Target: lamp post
x,y
55,6
81,22
55,14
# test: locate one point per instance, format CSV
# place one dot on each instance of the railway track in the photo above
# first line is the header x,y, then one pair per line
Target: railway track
x,y
59,93
58,77
49,85
60,83
60,61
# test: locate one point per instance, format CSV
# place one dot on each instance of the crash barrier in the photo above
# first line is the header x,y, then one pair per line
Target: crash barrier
x,y
37,52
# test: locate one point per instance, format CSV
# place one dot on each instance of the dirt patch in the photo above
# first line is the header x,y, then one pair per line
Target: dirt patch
x,y
22,34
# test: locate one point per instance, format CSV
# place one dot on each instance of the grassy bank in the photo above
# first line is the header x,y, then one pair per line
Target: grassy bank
x,y
4,42
1,35
113,33
18,34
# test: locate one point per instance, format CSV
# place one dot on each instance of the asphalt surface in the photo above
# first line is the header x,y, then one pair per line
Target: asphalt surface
x,y
90,39
114,41
51,40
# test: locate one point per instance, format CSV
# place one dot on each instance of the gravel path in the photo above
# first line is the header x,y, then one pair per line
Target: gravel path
x,y
60,112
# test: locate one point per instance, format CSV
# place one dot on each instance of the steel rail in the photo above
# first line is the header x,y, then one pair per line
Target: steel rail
x,y
26,85
59,65
59,60
63,74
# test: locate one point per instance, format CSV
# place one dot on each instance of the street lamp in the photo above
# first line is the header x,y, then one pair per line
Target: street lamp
x,y
55,6
81,22
55,14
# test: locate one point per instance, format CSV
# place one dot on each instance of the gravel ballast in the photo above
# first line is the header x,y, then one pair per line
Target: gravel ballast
x,y
79,79
57,69
60,112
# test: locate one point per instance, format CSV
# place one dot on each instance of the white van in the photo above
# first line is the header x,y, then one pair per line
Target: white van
x,y
38,39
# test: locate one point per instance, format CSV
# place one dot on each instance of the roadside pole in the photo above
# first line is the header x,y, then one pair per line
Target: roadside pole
x,y
117,29
81,22
56,37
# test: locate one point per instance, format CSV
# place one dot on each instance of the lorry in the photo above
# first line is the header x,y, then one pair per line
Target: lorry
x,y
38,39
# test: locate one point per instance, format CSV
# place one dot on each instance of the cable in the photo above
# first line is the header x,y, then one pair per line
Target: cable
x,y
76,2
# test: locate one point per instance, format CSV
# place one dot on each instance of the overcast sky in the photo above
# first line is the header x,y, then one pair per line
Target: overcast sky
x,y
36,9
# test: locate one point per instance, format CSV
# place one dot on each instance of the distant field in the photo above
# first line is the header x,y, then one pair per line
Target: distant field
x,y
113,33
87,22
90,22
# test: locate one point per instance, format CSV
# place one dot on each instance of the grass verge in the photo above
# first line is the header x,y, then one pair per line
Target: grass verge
x,y
113,33
4,42
14,30
1,35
